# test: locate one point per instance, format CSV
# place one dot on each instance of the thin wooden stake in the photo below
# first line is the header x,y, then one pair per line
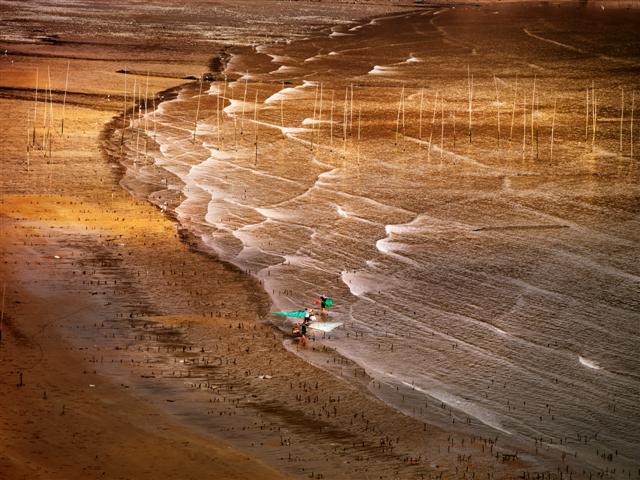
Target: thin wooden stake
x,y
224,97
155,123
137,100
359,126
403,115
351,112
281,113
594,116
513,111
441,126
586,124
553,126
331,120
320,114
195,124
621,115
146,117
495,81
64,99
453,116
4,289
124,112
533,110
433,120
345,119
420,114
399,112
524,123
219,103
633,99
244,101
255,121
469,81
35,108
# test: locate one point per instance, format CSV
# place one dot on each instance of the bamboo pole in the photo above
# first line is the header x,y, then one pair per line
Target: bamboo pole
x,y
453,118
320,114
219,103
235,123
281,112
537,127
345,119
553,125
420,114
351,112
35,109
433,120
155,123
124,113
255,121
64,99
633,99
441,126
533,110
50,125
524,123
398,115
495,81
359,126
469,81
403,114
47,116
244,101
586,123
621,115
4,289
137,123
235,130
146,117
594,116
513,110
28,135
331,121
224,97
195,123
133,103
313,117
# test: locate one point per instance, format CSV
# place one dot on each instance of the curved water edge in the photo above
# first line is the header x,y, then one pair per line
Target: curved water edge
x,y
393,264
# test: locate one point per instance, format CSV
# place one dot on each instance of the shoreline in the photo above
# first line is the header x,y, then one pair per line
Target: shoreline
x,y
174,328
385,392
366,382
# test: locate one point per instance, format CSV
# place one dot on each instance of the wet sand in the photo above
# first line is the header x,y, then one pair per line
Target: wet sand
x,y
142,356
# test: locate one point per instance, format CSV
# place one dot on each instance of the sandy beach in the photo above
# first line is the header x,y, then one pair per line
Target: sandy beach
x,y
130,350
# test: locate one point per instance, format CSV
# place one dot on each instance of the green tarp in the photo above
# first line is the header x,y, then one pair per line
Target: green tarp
x,y
296,314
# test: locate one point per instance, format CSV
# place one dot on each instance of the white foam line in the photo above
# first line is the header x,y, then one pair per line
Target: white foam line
x,y
613,271
413,59
546,376
382,70
341,212
371,201
548,40
455,156
462,405
340,34
315,121
262,173
388,248
589,363
284,69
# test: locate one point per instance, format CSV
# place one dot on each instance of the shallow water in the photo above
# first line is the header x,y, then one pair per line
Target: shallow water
x,y
480,267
